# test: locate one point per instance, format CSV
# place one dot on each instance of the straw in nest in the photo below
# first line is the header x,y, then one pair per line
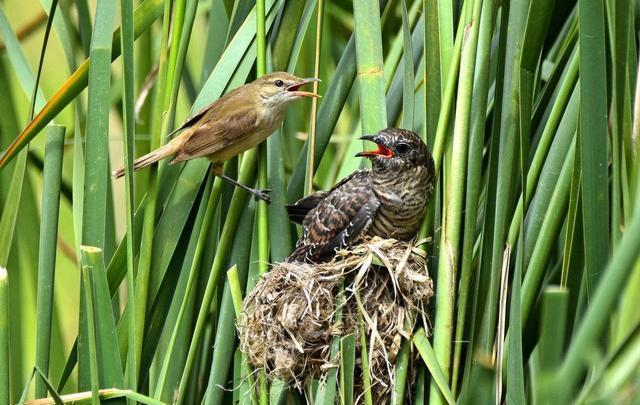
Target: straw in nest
x,y
295,311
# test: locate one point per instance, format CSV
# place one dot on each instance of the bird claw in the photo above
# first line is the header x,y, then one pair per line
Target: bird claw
x,y
262,195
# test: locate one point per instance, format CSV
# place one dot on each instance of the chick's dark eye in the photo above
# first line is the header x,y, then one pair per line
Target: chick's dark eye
x,y
279,83
402,148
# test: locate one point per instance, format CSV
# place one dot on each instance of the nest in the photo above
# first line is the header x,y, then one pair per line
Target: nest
x,y
297,309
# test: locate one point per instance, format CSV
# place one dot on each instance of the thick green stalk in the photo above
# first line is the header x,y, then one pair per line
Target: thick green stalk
x,y
5,391
263,183
409,79
514,362
593,134
474,178
445,38
555,301
448,98
261,55
347,368
400,374
91,335
364,362
314,102
104,330
571,239
449,248
373,111
178,56
431,61
127,37
47,252
96,174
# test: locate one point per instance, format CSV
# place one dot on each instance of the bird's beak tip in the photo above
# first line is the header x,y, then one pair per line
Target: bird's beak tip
x,y
294,88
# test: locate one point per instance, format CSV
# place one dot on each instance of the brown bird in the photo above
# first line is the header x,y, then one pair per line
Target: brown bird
x,y
387,201
234,123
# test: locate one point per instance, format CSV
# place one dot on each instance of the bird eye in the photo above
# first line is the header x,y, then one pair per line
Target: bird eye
x,y
279,83
402,148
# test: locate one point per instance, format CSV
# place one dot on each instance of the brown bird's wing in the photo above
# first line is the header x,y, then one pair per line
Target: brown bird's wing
x,y
338,221
298,211
216,133
191,120
209,111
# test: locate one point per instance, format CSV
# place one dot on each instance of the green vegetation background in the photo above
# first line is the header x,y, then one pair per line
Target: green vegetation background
x,y
533,308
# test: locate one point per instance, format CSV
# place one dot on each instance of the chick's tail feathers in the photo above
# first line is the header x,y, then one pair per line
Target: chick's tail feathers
x,y
301,254
150,158
298,211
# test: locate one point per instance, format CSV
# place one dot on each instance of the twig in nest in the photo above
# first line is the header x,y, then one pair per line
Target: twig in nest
x,y
289,319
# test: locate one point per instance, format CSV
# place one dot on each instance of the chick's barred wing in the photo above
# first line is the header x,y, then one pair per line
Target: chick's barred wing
x,y
298,211
338,221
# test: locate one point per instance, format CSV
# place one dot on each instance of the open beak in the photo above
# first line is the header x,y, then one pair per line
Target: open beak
x,y
382,150
294,88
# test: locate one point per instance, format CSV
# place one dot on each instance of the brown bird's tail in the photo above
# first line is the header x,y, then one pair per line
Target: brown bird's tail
x,y
150,158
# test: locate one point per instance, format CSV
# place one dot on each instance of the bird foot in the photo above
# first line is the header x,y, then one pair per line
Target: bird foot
x,y
262,195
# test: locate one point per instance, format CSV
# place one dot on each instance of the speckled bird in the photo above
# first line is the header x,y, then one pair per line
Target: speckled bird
x,y
388,200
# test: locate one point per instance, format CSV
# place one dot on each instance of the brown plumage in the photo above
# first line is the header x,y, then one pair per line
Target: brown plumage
x,y
387,201
234,123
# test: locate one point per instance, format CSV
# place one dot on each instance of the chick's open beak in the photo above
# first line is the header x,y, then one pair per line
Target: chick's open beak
x,y
382,150
294,88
